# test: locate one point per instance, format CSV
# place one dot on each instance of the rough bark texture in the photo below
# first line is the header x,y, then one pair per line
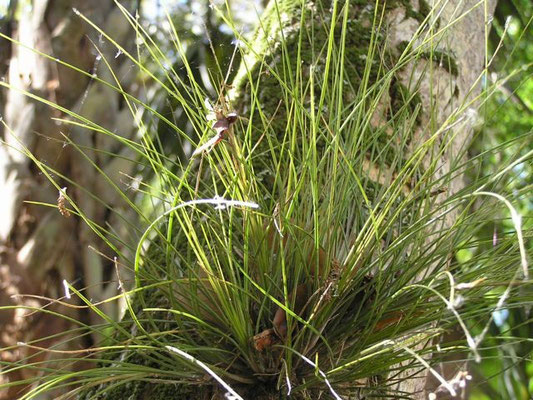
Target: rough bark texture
x,y
453,82
40,247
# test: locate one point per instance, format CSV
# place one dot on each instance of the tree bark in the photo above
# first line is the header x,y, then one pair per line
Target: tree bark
x,y
39,247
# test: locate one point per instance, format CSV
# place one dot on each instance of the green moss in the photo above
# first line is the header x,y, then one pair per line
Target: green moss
x,y
312,46
420,15
402,97
441,58
424,8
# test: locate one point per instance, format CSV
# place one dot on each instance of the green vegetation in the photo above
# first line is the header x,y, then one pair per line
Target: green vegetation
x,y
313,210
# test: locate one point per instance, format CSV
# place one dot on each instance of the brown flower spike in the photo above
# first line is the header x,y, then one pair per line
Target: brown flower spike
x,y
61,201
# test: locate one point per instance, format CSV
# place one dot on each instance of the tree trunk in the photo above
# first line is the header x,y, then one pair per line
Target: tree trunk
x,y
39,247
